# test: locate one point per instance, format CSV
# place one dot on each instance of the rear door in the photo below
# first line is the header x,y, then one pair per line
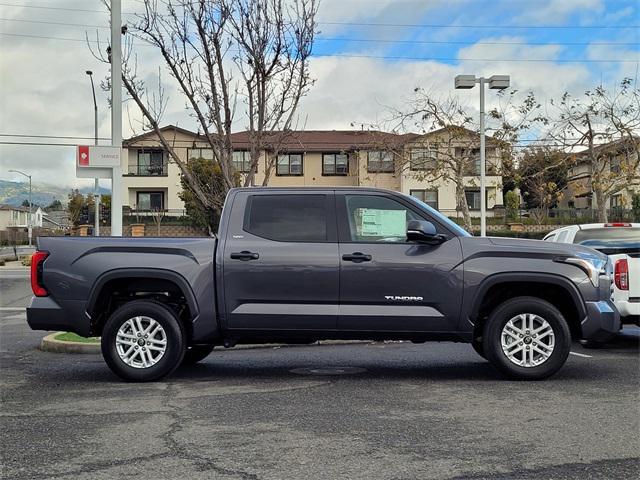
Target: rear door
x,y
280,264
387,283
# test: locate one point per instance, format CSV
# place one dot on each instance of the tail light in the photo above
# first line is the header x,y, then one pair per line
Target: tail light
x,y
617,224
621,274
37,259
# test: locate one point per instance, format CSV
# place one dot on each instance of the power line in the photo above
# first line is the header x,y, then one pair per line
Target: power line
x,y
524,27
453,59
365,40
62,137
375,40
385,57
46,22
372,24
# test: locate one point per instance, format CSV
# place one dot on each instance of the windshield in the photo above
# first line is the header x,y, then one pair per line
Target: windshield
x,y
608,236
461,232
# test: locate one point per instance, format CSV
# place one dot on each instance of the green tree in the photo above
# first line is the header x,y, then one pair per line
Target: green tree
x,y
542,176
54,205
512,204
211,179
75,205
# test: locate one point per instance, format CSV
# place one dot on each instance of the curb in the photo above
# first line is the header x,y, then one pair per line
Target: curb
x,y
50,344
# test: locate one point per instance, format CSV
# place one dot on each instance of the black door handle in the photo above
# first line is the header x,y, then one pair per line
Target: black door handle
x,y
244,256
356,257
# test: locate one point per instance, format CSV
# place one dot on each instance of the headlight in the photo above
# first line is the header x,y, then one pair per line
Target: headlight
x,y
593,265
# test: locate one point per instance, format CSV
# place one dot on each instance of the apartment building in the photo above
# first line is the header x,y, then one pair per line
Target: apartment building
x,y
613,159
330,158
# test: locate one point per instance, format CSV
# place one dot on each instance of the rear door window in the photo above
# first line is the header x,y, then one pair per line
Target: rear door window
x,y
288,218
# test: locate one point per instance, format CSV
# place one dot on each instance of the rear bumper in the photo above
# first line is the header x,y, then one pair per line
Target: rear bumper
x,y
627,308
601,322
44,313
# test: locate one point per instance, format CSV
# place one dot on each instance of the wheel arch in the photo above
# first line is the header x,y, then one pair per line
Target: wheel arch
x,y
557,290
158,277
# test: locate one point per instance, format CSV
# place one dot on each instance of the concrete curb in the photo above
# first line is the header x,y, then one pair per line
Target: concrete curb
x,y
50,344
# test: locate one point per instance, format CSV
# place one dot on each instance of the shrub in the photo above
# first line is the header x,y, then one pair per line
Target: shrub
x,y
26,260
1,262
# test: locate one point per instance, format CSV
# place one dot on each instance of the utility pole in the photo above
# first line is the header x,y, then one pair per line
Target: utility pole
x,y
116,115
96,193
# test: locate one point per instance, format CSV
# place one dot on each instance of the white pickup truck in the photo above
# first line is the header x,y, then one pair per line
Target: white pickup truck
x,y
621,242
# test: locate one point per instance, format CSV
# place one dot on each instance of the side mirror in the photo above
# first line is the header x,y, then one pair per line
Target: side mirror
x,y
421,231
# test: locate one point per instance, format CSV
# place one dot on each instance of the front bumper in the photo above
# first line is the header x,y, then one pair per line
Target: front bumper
x,y
601,322
44,313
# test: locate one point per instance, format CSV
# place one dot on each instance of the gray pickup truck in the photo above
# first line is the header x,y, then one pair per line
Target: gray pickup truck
x,y
296,265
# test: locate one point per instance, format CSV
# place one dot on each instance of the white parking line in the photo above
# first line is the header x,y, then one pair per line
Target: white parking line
x,y
11,309
581,355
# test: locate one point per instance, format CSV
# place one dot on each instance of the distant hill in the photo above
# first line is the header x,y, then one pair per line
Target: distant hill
x,y
14,193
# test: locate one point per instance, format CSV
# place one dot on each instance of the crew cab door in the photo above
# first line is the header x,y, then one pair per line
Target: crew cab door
x,y
387,283
280,266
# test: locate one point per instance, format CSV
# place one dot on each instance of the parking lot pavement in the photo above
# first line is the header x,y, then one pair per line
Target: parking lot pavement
x,y
392,410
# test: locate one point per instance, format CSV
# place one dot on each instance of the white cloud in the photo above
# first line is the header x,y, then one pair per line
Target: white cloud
x,y
555,12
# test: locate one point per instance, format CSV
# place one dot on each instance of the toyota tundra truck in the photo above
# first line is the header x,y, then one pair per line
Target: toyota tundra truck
x,y
297,265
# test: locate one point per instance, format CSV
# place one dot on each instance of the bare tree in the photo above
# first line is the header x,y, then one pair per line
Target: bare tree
x,y
217,53
604,125
452,153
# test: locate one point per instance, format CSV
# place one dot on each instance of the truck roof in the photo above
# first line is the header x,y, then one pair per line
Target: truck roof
x,y
314,188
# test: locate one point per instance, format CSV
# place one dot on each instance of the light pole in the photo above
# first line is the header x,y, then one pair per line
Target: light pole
x,y
496,82
29,229
96,193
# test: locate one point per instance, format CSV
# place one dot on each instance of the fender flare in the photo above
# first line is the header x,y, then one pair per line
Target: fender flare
x,y
527,277
156,273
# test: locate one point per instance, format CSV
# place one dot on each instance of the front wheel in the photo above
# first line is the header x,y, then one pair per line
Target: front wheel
x,y
527,338
143,341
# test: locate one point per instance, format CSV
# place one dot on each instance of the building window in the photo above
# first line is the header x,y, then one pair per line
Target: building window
x,y
614,165
616,201
242,161
150,162
473,198
150,201
289,164
200,154
422,159
380,162
430,197
288,218
335,164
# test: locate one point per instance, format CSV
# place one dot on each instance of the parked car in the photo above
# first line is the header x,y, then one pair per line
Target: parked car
x,y
296,265
621,242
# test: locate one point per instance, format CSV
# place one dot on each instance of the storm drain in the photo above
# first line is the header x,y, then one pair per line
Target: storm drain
x,y
329,371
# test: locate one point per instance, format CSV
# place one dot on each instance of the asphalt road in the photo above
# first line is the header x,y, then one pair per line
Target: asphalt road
x,y
432,411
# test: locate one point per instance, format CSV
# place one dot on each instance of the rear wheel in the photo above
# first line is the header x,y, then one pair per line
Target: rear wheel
x,y
527,338
196,353
143,341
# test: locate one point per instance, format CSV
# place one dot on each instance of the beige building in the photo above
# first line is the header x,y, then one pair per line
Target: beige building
x,y
18,217
320,158
615,158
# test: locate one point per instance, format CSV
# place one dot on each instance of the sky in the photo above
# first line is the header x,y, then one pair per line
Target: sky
x,y
368,57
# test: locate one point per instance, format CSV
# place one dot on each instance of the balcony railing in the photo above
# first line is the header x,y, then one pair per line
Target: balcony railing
x,y
148,170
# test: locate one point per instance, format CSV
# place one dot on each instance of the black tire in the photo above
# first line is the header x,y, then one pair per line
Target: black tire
x,y
520,305
175,341
196,353
478,347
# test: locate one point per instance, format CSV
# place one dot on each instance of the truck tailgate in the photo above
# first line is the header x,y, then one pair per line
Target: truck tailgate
x,y
634,275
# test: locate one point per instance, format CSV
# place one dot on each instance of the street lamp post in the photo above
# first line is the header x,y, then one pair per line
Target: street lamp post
x,y
29,225
96,194
496,82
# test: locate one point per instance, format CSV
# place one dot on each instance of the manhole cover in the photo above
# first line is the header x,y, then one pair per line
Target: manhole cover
x,y
328,371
